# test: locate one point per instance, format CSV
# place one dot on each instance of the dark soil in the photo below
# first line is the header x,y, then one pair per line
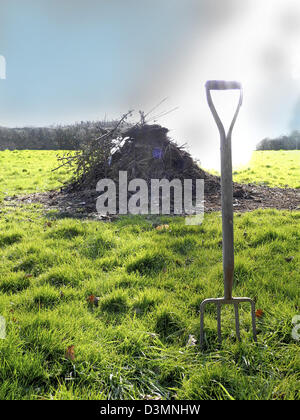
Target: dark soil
x,y
245,198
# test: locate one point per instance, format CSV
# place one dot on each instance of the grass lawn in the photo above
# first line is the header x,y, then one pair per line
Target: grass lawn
x,y
29,171
62,343
272,168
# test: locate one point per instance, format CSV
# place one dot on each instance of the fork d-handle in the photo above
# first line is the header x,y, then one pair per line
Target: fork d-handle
x,y
226,181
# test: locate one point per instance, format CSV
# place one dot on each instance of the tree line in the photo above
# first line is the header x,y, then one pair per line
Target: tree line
x,y
284,142
65,137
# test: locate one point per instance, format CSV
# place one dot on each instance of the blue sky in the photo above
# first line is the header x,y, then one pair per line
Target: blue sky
x,y
73,60
70,60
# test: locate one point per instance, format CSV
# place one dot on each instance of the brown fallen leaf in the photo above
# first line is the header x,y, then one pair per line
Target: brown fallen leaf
x,y
70,354
259,313
93,300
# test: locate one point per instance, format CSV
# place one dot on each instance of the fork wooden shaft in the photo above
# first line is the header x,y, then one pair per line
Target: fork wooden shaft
x,y
227,215
226,182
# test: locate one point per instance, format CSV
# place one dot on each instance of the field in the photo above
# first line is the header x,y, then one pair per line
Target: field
x,y
98,310
272,168
28,171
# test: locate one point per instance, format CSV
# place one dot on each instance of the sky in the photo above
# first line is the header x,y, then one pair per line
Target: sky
x,y
79,60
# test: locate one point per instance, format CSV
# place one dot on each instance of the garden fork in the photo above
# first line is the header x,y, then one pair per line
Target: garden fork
x,y
227,217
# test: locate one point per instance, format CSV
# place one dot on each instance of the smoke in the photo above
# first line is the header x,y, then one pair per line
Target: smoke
x,y
81,59
260,48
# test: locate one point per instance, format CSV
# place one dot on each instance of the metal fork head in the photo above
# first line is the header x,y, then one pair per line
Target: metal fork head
x,y
222,301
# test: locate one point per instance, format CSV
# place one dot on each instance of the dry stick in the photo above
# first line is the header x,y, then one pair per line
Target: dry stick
x,y
69,159
156,106
163,114
124,117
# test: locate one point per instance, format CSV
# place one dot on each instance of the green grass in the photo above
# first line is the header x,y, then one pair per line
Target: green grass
x,y
29,171
150,284
271,168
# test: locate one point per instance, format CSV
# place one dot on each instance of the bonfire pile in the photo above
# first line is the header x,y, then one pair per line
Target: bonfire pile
x,y
144,151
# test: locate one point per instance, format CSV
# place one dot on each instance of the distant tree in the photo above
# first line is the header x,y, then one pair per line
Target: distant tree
x,y
68,137
284,142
